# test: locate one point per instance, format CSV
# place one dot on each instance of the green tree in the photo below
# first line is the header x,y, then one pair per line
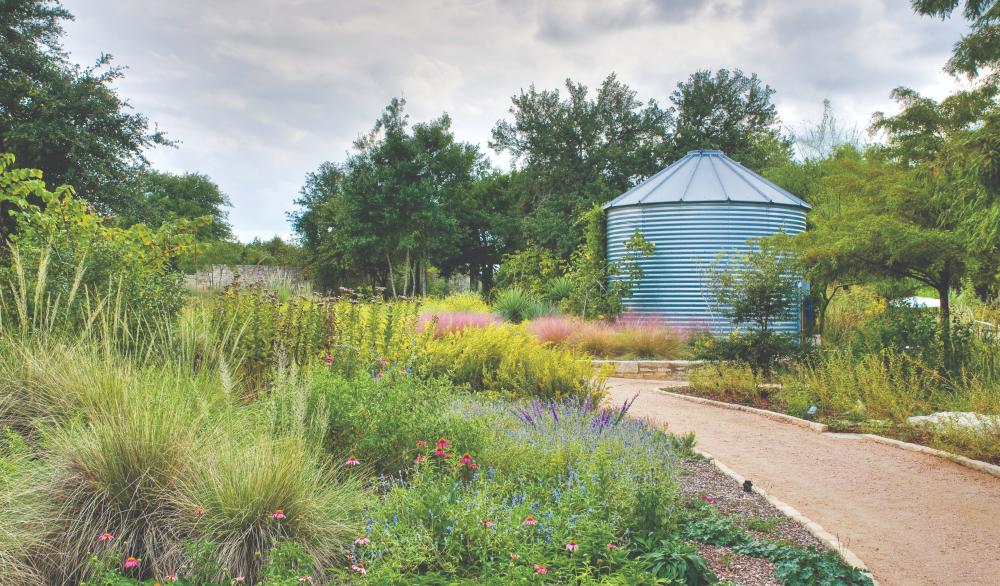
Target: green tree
x,y
65,119
165,197
728,111
387,213
753,290
980,48
573,151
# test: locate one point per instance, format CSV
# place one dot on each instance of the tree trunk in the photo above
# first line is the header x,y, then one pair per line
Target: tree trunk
x,y
945,326
392,278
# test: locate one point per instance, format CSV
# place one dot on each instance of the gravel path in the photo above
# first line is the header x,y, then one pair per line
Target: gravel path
x,y
914,519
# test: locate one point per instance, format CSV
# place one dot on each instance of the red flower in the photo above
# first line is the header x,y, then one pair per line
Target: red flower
x,y
278,515
419,459
708,499
328,360
540,569
131,563
105,537
612,546
487,523
352,461
421,443
359,568
473,466
199,512
466,458
440,453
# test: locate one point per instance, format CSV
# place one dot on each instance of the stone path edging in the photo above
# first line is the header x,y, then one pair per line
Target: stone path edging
x,y
813,425
978,465
791,512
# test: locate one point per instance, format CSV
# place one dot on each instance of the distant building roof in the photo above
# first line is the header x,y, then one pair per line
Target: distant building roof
x,y
706,176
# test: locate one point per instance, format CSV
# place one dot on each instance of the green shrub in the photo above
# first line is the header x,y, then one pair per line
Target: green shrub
x,y
887,386
529,270
380,420
509,361
677,562
732,382
456,302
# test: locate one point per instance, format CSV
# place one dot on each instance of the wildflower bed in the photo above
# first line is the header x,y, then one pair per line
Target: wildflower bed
x,y
378,460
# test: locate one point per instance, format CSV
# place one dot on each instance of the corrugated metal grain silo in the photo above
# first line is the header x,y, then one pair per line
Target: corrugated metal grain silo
x,y
700,206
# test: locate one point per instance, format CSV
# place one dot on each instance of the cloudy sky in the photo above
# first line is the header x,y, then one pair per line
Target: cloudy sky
x,y
260,92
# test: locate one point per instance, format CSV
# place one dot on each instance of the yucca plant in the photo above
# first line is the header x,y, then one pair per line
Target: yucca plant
x,y
515,305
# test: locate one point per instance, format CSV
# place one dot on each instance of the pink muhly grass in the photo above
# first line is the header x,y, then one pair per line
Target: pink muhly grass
x,y
453,321
555,329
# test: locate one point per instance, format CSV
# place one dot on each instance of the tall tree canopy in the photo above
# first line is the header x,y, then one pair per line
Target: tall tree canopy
x,y
575,151
65,119
391,203
980,48
732,112
164,197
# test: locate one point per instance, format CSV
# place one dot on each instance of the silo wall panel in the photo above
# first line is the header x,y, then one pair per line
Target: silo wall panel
x,y
687,238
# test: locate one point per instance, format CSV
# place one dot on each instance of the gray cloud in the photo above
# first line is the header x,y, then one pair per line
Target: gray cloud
x,y
262,92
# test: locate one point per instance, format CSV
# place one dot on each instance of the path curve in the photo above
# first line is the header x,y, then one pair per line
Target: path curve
x,y
914,519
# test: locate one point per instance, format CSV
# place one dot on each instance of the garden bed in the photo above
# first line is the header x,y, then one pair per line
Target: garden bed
x,y
954,441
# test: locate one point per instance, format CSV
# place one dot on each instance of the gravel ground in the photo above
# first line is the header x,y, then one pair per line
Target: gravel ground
x,y
700,478
738,569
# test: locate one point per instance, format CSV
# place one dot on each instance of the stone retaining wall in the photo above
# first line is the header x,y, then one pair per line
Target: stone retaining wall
x,y
668,370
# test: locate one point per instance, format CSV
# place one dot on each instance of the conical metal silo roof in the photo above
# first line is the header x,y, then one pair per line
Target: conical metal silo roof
x,y
703,177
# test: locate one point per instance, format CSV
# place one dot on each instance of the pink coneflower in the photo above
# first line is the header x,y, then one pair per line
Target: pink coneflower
x,y
440,453
383,361
306,579
363,540
359,568
105,536
422,443
352,461
170,577
466,458
199,512
529,520
487,523
540,569
473,466
612,546
443,443
278,515
328,360
708,499
572,546
131,563
419,459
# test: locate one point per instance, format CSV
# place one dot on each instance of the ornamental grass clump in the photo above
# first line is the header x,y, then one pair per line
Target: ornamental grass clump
x,y
116,473
443,323
249,492
26,512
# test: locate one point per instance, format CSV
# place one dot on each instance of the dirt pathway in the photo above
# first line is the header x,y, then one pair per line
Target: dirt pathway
x,y
914,519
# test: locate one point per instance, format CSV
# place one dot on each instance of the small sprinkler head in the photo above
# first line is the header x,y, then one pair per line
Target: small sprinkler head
x,y
747,486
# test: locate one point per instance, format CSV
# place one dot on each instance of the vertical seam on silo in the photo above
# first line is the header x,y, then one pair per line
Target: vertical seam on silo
x,y
652,189
752,186
722,186
691,179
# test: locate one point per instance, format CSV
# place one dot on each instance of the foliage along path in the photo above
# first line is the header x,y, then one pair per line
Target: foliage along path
x,y
913,519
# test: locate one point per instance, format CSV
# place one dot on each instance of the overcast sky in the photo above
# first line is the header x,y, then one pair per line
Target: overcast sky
x,y
260,92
